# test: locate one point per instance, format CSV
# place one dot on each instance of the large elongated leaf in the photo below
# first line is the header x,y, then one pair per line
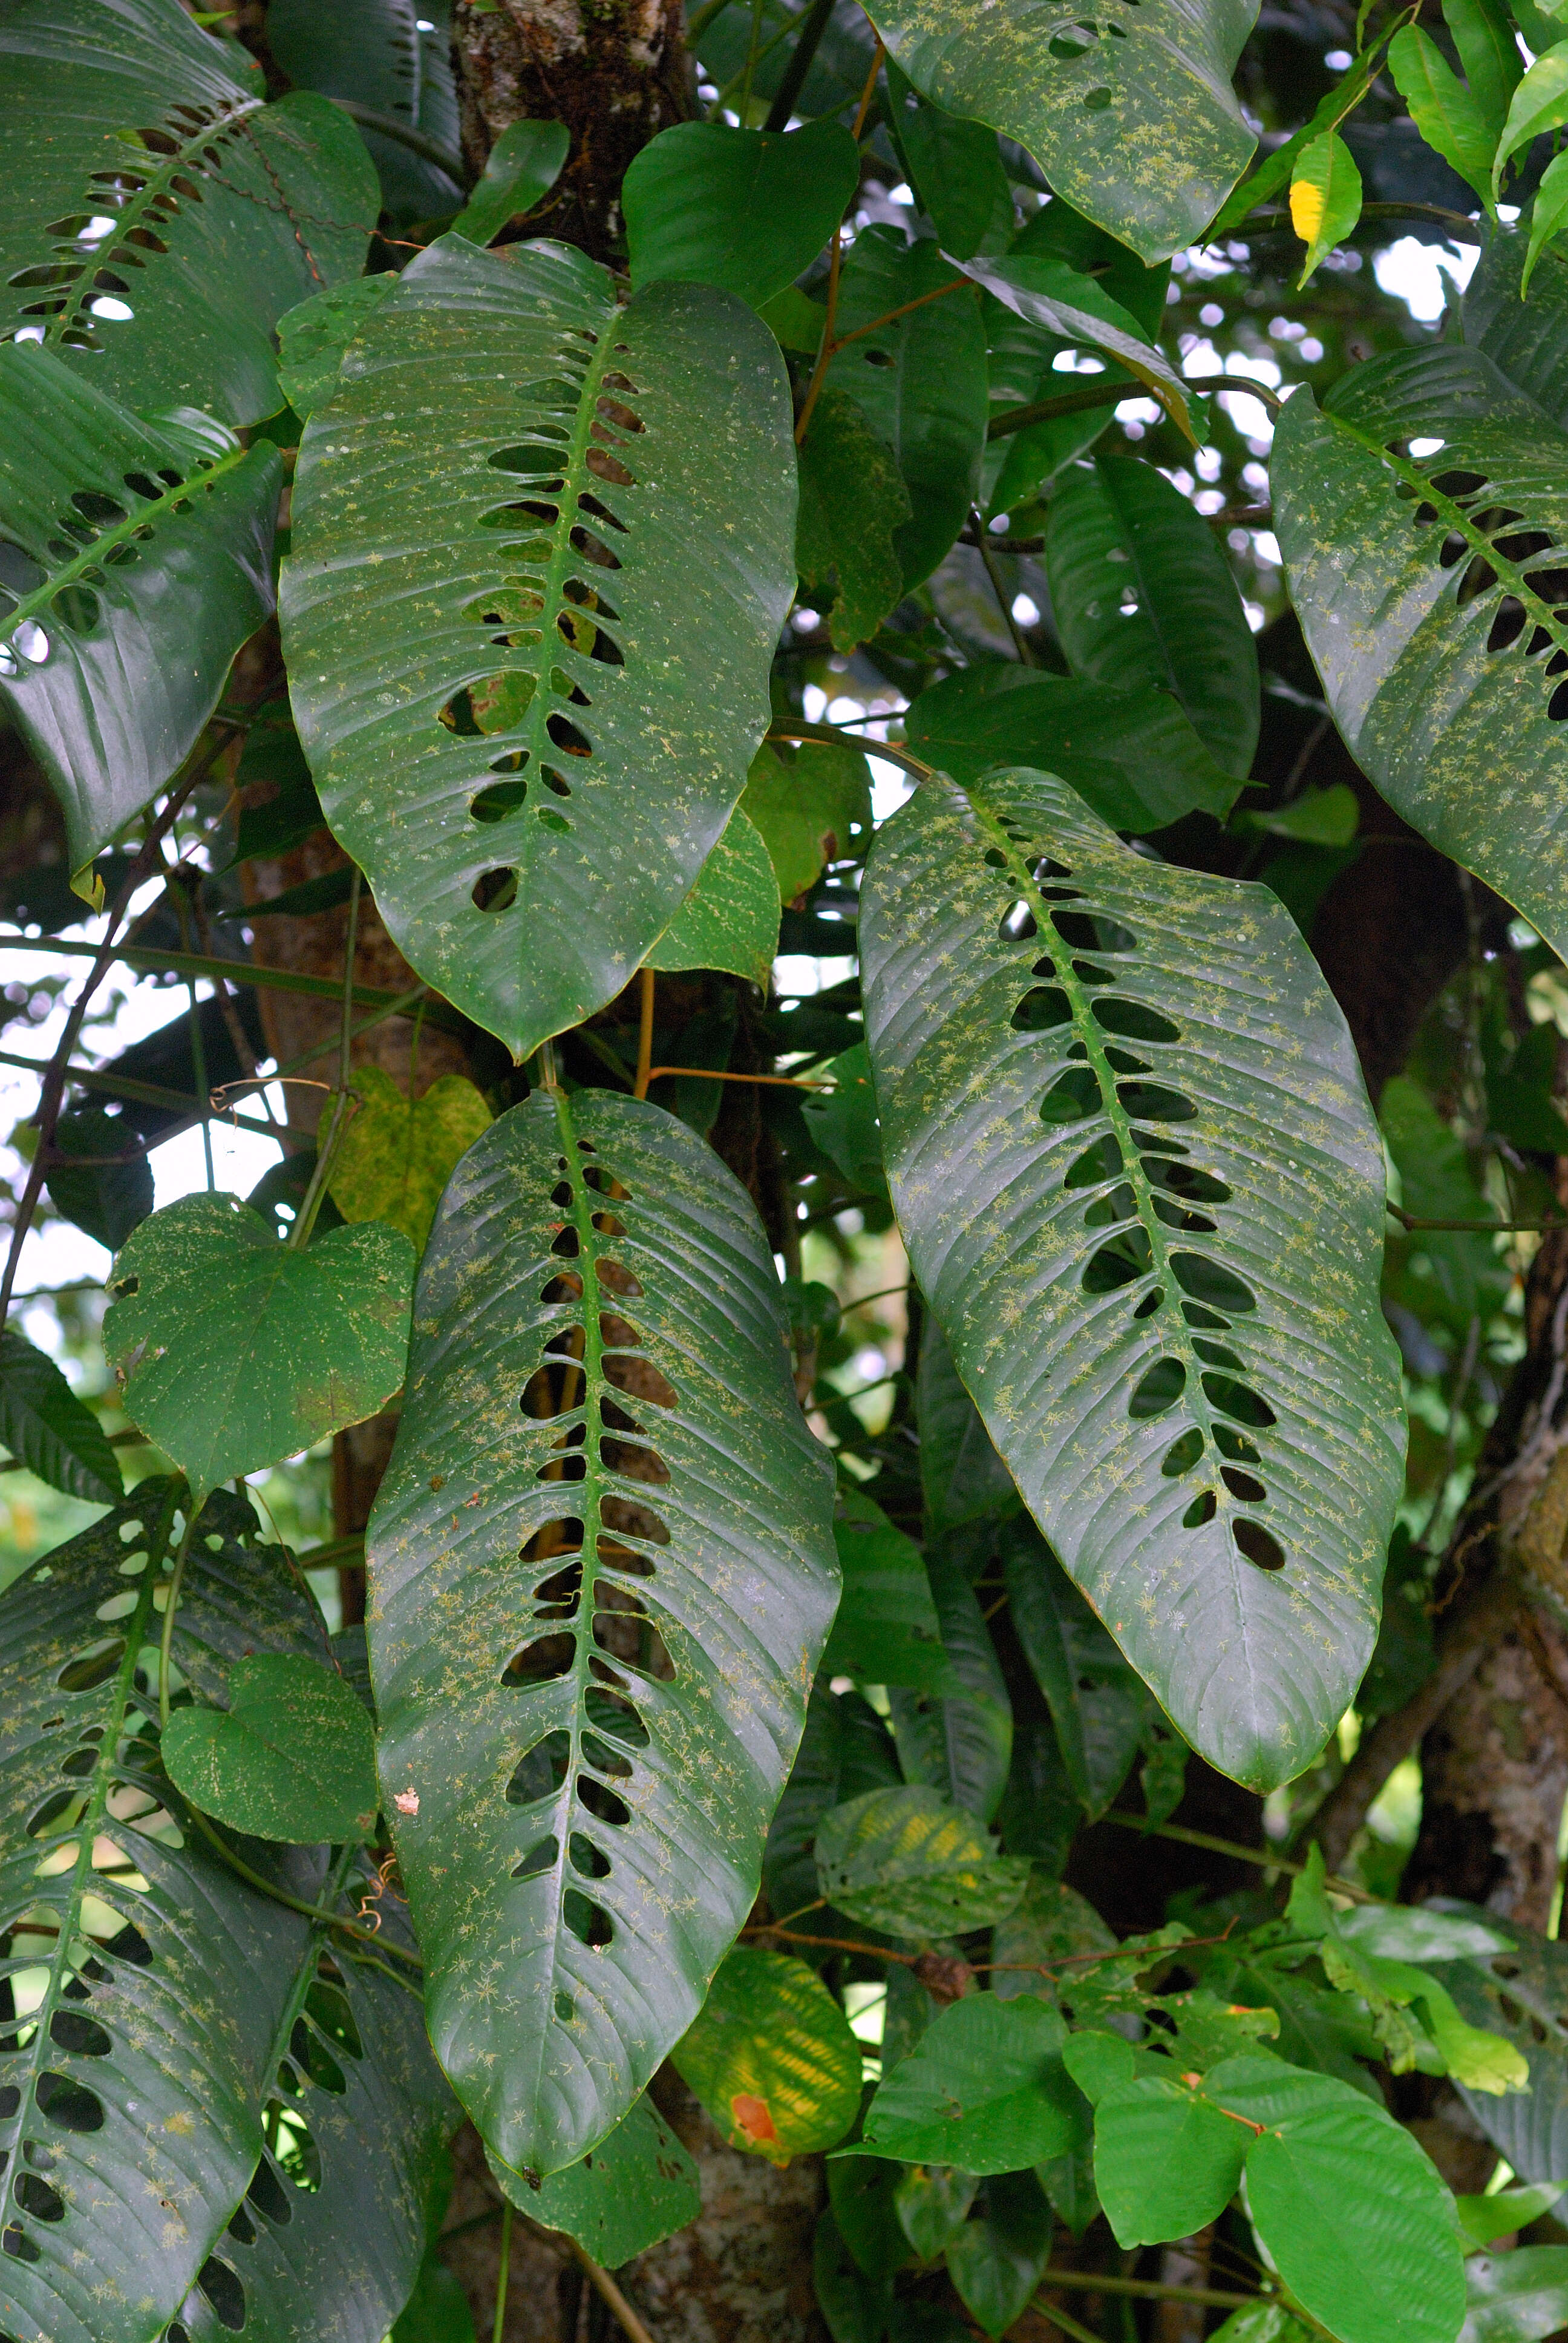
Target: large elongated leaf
x,y
1132,117
47,1428
1522,1994
530,789
149,1978
594,1685
958,1736
157,219
1428,586
1142,1188
379,54
136,559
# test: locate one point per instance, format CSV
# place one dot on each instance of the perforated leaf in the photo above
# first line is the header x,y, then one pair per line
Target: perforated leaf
x,y
136,559
236,1350
1142,1189
1131,114
906,1861
598,1591
157,218
47,1429
152,1979
771,2057
528,621
1428,586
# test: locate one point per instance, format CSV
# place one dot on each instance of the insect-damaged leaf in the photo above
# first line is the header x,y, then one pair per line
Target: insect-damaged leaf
x,y
1142,1190
528,620
398,1153
602,1571
157,218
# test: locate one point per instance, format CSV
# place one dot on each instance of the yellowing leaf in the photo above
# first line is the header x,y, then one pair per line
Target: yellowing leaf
x,y
399,1154
772,2058
1326,198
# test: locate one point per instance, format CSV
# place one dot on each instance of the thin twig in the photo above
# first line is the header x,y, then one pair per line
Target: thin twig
x,y
1142,2289
711,1074
1025,657
835,269
953,284
1264,1860
601,2280
800,728
644,1033
1410,1220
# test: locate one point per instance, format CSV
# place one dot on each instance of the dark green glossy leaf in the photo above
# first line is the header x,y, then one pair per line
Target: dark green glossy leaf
x,y
747,210
1133,119
1075,308
602,1725
1131,755
236,1350
853,505
855,2306
1052,1929
312,338
812,809
844,1121
771,2057
45,1427
1523,338
730,919
1484,2219
863,2191
1199,1494
679,503
921,381
520,170
376,54
906,1861
107,1204
955,168
106,115
636,2186
984,2090
1142,594
932,2201
963,1479
995,2262
887,1630
292,1756
279,804
439,2310
958,1738
113,651
165,1978
1422,586
1099,1705
845,1751
1516,2298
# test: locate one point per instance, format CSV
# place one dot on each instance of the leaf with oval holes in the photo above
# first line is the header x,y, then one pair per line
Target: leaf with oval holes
x,y
886,1631
906,1861
1428,588
47,1429
730,919
601,1574
747,210
530,679
292,1757
1078,1072
520,170
1130,754
135,560
398,1152
920,381
637,2187
771,2057
1142,594
1131,114
167,1976
158,218
378,53
984,2090
235,1351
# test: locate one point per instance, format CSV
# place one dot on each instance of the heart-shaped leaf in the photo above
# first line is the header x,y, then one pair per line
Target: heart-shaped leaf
x,y
984,2090
398,1153
293,1756
747,210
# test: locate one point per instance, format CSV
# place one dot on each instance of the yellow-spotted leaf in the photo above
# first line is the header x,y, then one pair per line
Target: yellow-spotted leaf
x,y
1326,198
906,1861
399,1154
772,2058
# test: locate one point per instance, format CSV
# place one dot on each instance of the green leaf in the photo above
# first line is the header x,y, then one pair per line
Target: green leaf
x,y
747,210
313,338
932,2203
771,2057
375,54
636,2186
845,1750
107,1204
398,1153
1325,199
1517,2298
959,1739
1130,755
1444,112
1143,595
1198,1494
921,381
1483,2218
863,2192
279,804
285,203
1167,2161
808,807
1539,104
905,1861
995,2262
1328,817
887,1631
963,1481
1142,132
984,2090
1098,1703
1546,214
235,1352
293,1756
148,2098
1352,2212
853,504
1485,37
1438,1184
844,1121
1521,1994
856,2308
730,919
1424,611
598,1733
1052,1928
1523,338
45,1427
1073,307
414,603
437,2311
520,170
1261,2321
955,168
113,650
797,322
